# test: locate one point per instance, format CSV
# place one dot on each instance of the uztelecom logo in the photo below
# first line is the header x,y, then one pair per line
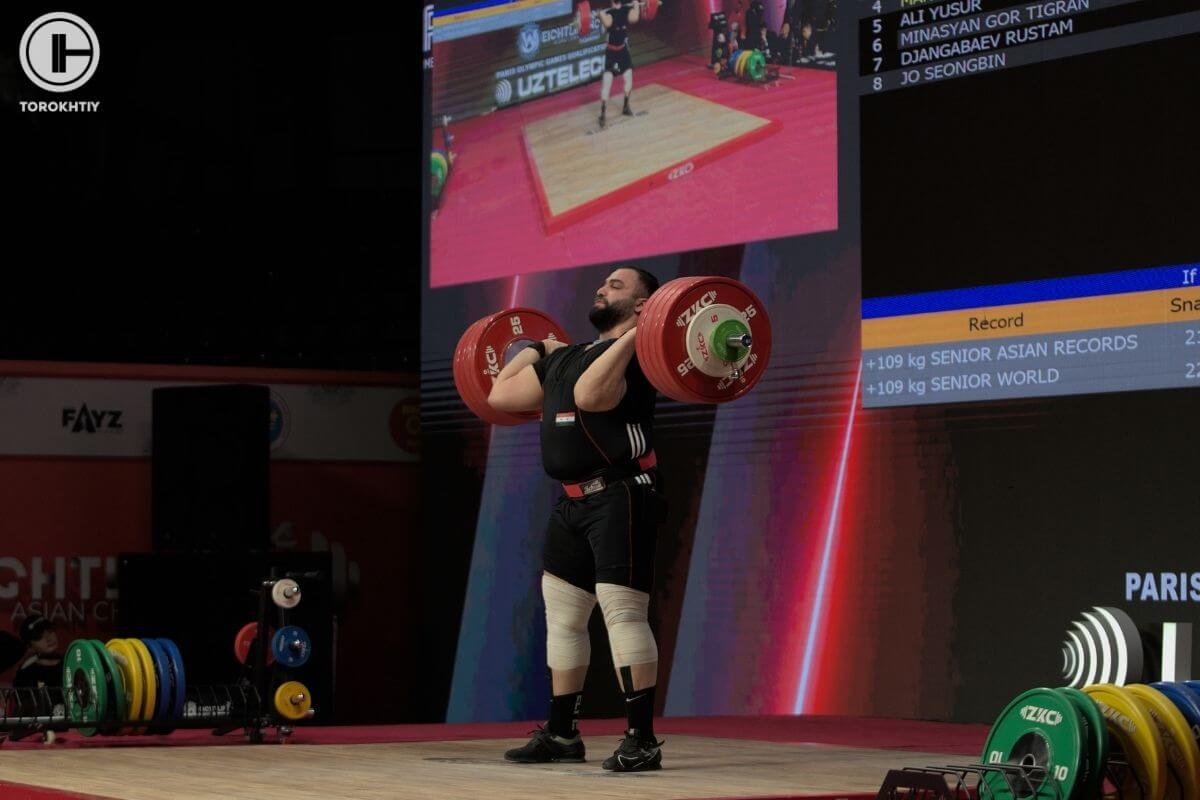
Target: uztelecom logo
x,y
59,52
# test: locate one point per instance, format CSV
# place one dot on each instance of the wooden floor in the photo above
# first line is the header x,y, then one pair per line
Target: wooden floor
x,y
694,767
577,163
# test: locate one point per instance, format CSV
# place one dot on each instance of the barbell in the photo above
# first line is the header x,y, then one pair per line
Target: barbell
x,y
649,12
699,340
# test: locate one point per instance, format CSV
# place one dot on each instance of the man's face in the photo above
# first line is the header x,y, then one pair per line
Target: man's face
x,y
617,299
46,644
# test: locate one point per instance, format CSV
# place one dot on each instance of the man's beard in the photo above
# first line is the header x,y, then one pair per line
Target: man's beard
x,y
608,315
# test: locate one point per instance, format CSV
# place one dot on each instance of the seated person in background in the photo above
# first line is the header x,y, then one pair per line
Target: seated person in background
x,y
802,46
822,16
44,667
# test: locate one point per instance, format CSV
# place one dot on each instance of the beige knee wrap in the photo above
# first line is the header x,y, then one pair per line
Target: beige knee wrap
x,y
567,610
628,631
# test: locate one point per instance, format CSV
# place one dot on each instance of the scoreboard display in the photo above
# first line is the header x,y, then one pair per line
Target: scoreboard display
x,y
456,19
910,42
1100,333
1029,198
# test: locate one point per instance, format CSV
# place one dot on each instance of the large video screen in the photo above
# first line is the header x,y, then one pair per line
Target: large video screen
x,y
528,177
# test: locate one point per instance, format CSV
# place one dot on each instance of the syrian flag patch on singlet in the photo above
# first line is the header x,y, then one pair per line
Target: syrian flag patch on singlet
x,y
564,418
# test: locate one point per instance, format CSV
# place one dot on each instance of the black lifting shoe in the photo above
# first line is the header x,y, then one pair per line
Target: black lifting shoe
x,y
636,754
545,747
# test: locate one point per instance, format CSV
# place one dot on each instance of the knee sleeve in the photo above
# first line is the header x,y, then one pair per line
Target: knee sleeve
x,y
567,610
628,630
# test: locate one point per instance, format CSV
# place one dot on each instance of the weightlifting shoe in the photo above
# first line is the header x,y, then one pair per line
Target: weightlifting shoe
x,y
545,747
627,111
635,754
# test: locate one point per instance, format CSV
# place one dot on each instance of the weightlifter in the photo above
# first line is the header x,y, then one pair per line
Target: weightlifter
x,y
598,440
616,19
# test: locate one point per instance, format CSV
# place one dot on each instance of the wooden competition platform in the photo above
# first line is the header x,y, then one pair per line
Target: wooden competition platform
x,y
729,757
579,168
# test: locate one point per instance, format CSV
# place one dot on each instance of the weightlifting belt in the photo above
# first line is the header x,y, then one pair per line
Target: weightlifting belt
x,y
611,476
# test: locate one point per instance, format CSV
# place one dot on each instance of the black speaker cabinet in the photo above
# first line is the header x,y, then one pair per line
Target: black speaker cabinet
x,y
211,456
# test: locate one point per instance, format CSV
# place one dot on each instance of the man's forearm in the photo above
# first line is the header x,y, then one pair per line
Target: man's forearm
x,y
520,361
603,383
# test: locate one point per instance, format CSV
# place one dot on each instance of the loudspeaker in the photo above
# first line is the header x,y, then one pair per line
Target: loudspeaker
x,y
210,465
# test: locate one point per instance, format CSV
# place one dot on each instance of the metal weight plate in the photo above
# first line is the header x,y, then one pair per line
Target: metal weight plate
x,y
1039,730
285,593
653,318
1188,703
164,699
663,371
758,66
651,10
1133,735
293,700
118,711
148,677
1097,741
1090,770
178,676
585,18
462,368
682,325
658,322
84,686
1183,759
656,346
245,640
291,646
483,351
439,163
130,667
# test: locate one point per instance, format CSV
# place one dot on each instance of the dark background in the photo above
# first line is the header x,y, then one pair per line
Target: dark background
x,y
1069,167
246,194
